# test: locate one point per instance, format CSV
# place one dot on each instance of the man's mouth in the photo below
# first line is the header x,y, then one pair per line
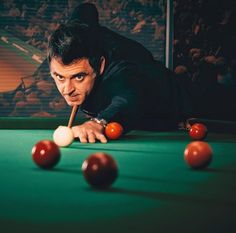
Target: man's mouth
x,y
73,97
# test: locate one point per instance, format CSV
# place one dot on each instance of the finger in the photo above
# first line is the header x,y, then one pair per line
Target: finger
x,y
101,138
80,134
91,137
83,137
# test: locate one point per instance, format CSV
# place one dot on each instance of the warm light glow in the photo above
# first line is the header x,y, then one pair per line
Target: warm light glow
x,y
95,167
42,152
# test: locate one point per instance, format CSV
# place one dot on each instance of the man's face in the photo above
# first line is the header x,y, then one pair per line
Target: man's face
x,y
74,81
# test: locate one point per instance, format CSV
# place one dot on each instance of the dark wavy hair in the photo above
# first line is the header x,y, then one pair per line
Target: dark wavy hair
x,y
73,41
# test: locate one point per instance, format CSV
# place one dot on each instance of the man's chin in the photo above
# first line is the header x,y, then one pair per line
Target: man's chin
x,y
73,103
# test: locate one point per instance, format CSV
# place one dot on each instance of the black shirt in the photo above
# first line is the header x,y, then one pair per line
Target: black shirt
x,y
131,93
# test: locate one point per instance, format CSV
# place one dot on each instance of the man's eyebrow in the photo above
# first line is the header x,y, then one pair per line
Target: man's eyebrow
x,y
55,73
82,73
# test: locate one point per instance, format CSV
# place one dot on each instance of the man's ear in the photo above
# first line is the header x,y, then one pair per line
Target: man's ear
x,y
102,64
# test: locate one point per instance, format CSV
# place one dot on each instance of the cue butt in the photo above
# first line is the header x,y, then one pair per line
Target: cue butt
x,y
218,126
72,115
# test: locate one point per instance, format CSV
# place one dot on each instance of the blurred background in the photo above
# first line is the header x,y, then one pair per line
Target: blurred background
x,y
203,41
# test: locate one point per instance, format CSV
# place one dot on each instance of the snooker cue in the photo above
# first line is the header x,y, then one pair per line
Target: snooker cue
x,y
222,126
72,115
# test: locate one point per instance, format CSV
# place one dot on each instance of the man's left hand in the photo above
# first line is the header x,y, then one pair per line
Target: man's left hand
x,y
89,131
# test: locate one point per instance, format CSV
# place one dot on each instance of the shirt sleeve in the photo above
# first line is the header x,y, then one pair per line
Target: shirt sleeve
x,y
125,106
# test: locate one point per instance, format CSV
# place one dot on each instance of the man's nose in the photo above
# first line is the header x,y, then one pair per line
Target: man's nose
x,y
68,88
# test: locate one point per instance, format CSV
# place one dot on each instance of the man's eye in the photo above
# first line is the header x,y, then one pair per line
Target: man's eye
x,y
60,78
79,77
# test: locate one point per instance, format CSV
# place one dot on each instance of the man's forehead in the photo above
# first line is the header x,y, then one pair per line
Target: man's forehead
x,y
56,65
76,62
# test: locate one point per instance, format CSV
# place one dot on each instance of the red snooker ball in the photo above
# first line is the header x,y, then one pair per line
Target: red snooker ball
x,y
198,131
100,170
46,154
198,154
113,130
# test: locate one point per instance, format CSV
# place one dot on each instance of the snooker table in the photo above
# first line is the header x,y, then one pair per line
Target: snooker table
x,y
155,190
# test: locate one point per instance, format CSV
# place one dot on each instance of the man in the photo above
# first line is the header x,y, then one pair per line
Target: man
x,y
110,85
106,90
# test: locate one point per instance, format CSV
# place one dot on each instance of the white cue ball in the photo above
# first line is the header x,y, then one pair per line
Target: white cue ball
x,y
63,136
